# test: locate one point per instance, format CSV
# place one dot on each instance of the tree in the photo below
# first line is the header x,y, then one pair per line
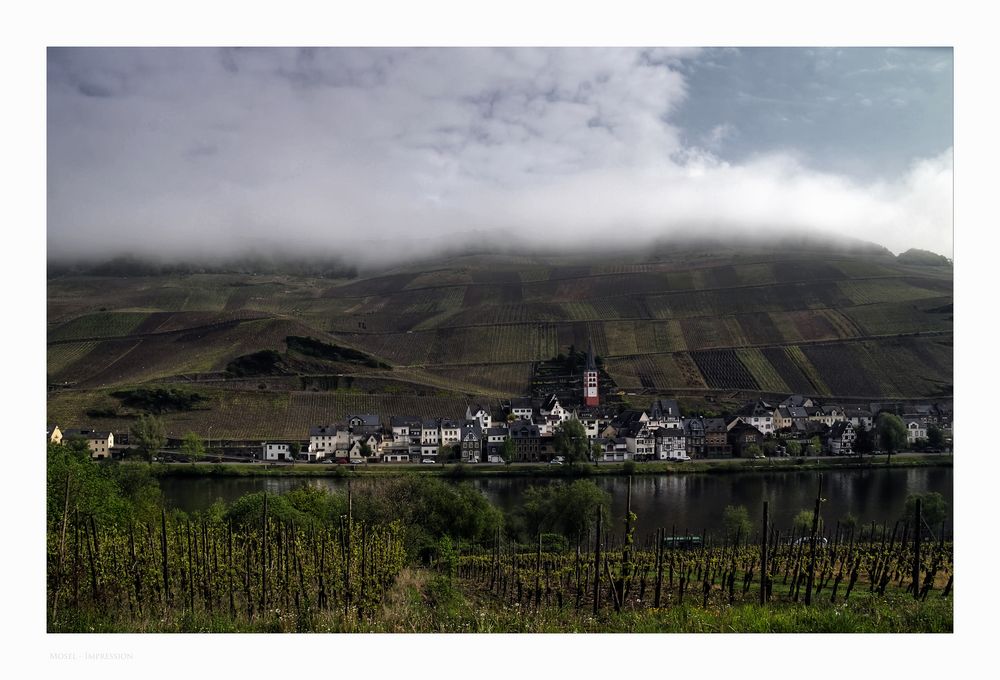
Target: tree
x,y
804,521
933,508
793,448
149,436
508,450
293,449
935,437
736,519
568,509
815,446
571,440
753,451
192,447
865,440
891,434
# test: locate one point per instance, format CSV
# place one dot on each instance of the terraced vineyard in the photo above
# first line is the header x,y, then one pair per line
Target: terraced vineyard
x,y
708,319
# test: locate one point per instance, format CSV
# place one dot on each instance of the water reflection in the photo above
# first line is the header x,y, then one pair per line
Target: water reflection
x,y
687,502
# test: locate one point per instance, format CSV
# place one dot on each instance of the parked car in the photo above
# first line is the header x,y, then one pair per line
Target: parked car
x,y
679,458
357,461
429,461
555,462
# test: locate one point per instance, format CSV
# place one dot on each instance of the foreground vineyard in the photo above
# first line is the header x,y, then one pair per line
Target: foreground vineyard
x,y
411,553
202,576
661,576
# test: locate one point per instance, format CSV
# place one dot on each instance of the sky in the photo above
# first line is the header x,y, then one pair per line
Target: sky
x,y
391,153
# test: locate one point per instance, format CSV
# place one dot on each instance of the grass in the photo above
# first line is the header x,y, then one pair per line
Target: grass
x,y
717,466
421,601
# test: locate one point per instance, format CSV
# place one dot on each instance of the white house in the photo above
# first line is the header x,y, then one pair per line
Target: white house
x,y
322,441
430,435
522,409
664,413
554,410
277,451
100,443
639,440
670,443
477,412
611,450
759,415
450,432
915,430
859,417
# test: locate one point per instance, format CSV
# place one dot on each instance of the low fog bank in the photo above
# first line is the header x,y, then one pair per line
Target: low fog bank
x,y
374,256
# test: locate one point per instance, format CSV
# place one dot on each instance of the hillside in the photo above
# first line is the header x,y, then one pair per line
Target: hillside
x,y
705,322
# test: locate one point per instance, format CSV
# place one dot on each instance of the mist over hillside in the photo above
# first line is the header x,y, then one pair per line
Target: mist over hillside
x,y
374,256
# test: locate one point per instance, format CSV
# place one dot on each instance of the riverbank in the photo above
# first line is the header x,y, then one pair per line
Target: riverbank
x,y
479,470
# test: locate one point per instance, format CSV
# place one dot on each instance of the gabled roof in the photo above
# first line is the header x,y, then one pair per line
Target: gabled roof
x,y
522,429
857,412
448,423
429,424
630,416
403,421
714,425
636,429
521,402
86,434
323,431
367,419
757,409
669,433
838,429
743,427
471,431
496,431
809,427
664,408
794,400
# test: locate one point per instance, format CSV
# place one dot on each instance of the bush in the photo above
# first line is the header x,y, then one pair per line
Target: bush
x,y
158,400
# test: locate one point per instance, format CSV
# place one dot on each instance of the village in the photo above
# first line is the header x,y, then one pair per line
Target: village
x,y
546,431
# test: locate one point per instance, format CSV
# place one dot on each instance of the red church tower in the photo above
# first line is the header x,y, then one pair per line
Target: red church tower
x,y
590,394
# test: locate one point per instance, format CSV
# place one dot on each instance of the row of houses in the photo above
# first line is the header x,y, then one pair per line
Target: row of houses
x,y
659,432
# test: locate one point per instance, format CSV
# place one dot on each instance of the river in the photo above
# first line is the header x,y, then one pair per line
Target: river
x,y
685,501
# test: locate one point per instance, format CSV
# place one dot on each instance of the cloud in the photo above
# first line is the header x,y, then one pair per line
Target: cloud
x,y
329,150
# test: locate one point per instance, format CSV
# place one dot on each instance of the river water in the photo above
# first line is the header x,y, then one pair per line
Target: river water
x,y
688,502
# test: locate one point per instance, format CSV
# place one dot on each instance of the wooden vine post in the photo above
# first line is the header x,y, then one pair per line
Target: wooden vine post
x,y
812,541
597,562
916,550
763,556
